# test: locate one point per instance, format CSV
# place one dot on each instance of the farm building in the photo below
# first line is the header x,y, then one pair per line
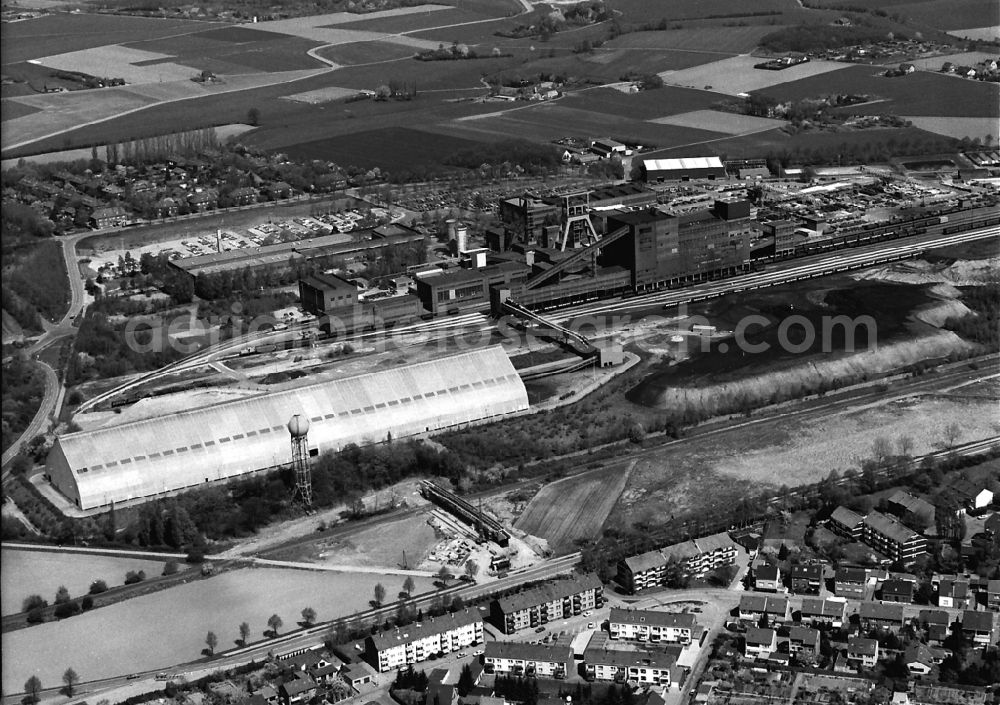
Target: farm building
x,y
683,169
149,457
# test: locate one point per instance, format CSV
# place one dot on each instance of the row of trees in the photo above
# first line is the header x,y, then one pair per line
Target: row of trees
x,y
33,686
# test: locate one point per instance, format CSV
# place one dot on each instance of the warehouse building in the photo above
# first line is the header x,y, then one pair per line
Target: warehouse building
x,y
660,170
154,456
420,641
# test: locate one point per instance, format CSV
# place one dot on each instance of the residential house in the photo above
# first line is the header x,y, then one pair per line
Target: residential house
x,y
878,616
417,642
953,593
901,502
938,624
520,659
803,640
754,607
993,595
760,643
862,652
807,579
298,689
767,578
948,67
651,626
243,196
166,207
992,525
278,189
696,557
847,523
540,605
202,201
895,540
972,496
907,68
645,667
439,691
830,611
850,582
920,659
895,590
979,627
111,217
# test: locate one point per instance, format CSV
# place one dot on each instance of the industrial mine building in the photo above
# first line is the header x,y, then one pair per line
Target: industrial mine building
x,y
150,457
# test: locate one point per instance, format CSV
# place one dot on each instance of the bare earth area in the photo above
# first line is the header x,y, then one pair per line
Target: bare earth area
x,y
738,75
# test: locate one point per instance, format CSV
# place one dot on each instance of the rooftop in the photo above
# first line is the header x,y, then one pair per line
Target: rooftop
x,y
683,620
422,630
682,164
529,652
890,528
549,592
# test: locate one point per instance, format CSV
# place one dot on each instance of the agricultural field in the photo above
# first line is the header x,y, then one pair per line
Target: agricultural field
x,y
235,50
986,34
42,573
718,121
133,65
717,40
322,95
54,34
958,127
393,147
416,18
693,9
171,624
575,508
645,105
548,121
919,93
967,58
13,109
366,53
949,14
318,29
609,64
738,75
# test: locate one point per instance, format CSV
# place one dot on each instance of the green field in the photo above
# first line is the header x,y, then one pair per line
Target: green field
x,y
639,10
171,625
645,105
366,52
12,109
389,148
546,122
60,33
420,20
227,52
920,93
608,65
722,40
951,14
42,573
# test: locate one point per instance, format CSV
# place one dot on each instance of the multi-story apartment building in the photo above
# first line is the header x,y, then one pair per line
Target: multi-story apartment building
x,y
651,626
646,667
816,611
760,643
863,652
417,642
847,523
895,540
556,600
519,659
696,557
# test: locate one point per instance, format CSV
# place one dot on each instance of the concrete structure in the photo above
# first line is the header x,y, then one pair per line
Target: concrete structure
x,y
519,659
660,170
554,600
782,232
189,448
651,626
417,642
696,557
895,540
327,293
461,289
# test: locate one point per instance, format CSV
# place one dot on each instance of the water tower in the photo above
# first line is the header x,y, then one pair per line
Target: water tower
x,y
298,427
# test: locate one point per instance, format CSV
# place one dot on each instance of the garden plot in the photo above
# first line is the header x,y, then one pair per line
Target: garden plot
x,y
717,121
738,75
116,61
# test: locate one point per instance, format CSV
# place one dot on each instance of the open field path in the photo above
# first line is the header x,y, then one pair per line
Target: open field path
x,y
377,570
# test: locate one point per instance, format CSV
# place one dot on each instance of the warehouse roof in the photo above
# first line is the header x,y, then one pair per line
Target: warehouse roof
x,y
175,451
682,164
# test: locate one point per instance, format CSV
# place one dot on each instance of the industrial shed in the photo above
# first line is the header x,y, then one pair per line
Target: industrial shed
x,y
657,170
153,456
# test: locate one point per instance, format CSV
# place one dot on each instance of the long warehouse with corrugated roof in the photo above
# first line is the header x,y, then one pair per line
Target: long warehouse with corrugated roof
x,y
181,450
